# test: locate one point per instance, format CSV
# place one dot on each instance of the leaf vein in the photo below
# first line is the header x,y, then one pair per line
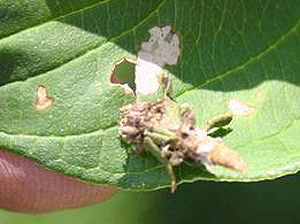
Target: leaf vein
x,y
79,56
58,17
254,58
276,134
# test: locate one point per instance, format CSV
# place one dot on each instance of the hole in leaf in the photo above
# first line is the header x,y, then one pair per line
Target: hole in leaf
x,y
123,74
221,132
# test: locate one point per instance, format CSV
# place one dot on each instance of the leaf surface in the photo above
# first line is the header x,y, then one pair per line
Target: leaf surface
x,y
244,50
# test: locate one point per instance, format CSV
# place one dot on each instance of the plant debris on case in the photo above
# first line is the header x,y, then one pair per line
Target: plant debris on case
x,y
167,130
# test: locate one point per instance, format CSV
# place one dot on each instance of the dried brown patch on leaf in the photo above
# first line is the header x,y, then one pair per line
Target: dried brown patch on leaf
x,y
239,108
162,48
258,95
43,100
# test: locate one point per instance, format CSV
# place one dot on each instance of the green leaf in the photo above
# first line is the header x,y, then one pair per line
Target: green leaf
x,y
245,50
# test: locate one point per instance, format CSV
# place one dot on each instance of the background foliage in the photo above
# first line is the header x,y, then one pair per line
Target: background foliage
x,y
263,202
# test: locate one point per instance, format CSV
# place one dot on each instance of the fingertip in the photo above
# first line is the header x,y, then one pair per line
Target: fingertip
x,y
28,187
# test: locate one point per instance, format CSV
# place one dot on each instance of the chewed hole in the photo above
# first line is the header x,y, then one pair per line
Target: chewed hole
x,y
123,74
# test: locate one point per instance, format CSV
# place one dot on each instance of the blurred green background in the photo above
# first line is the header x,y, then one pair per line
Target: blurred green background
x,y
202,202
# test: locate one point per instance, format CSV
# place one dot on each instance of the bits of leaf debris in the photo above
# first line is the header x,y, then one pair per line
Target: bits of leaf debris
x,y
168,131
177,143
137,118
